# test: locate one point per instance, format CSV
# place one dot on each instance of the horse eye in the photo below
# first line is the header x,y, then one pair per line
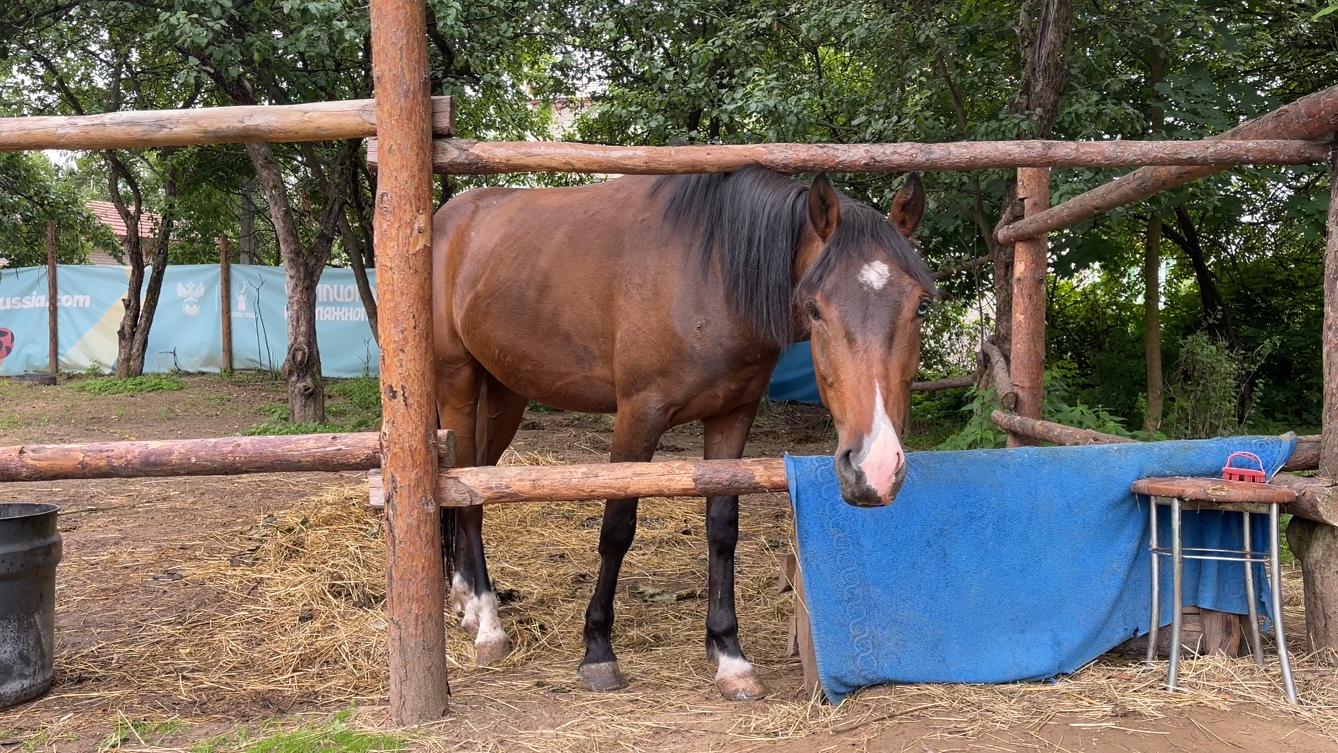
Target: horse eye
x,y
812,309
923,308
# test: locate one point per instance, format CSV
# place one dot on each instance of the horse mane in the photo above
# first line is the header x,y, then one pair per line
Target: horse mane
x,y
750,222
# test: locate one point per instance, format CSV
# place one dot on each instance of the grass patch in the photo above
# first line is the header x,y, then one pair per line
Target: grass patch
x,y
333,737
131,385
138,732
350,405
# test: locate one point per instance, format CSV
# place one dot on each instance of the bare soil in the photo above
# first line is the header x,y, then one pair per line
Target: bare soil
x,y
130,546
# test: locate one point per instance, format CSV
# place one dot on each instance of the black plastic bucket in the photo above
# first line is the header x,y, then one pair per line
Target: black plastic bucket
x,y
29,551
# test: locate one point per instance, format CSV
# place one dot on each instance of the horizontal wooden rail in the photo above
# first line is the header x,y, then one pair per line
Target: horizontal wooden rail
x,y
462,487
225,456
1304,458
318,121
1312,117
467,157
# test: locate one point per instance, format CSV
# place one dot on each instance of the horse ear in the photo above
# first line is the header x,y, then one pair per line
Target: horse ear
x,y
908,206
824,207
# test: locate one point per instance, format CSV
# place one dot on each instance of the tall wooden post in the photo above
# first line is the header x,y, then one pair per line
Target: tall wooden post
x,y
1316,544
415,597
1328,448
1027,361
52,298
225,299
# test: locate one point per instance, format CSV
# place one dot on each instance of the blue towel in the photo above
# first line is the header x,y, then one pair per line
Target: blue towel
x,y
792,380
1004,565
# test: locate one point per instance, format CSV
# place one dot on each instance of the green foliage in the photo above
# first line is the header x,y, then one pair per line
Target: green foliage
x,y
138,385
1203,390
1062,406
352,405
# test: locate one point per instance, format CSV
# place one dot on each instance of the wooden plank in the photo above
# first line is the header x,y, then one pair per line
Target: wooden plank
x,y
52,302
469,157
415,582
1026,364
803,631
223,456
316,121
1214,490
1328,452
463,487
1317,497
1311,117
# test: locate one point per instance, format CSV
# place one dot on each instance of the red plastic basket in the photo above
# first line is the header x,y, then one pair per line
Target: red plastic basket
x,y
1239,473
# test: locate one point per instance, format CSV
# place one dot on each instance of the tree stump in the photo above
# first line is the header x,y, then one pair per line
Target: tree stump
x,y
1316,546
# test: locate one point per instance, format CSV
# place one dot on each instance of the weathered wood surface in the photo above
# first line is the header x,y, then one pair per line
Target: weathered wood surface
x,y
1026,363
1317,497
1306,455
469,157
1316,546
1003,383
948,383
1328,453
415,577
224,456
1311,117
1049,431
225,300
52,301
1214,490
317,121
461,487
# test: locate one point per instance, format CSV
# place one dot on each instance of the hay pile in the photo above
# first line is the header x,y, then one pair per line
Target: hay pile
x,y
295,621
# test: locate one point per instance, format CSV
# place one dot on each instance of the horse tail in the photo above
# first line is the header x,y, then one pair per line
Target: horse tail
x,y
448,524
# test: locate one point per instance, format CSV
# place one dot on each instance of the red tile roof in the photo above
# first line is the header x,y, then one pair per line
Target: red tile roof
x,y
105,212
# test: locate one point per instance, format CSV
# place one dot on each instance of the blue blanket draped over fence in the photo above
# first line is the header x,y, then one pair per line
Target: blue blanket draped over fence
x,y
1003,565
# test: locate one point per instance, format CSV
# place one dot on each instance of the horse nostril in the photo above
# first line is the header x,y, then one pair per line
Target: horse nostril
x,y
844,464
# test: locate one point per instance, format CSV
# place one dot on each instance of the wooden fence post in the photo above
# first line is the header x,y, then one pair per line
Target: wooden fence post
x,y
225,299
52,299
1026,365
1316,544
415,590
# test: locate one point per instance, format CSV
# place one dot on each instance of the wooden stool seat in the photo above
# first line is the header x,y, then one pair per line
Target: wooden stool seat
x,y
1189,493
1214,492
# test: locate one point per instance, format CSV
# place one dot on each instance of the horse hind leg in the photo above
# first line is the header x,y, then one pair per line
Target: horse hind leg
x,y
735,677
635,436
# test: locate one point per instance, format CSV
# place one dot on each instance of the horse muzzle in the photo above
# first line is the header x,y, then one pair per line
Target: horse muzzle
x,y
855,487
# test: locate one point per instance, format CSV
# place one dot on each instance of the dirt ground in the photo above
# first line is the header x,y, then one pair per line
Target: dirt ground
x,y
183,624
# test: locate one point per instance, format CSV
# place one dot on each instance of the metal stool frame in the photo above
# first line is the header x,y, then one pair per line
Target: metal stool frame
x,y
1178,553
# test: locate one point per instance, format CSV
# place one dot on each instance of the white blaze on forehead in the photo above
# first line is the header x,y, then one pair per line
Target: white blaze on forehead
x,y
874,275
882,456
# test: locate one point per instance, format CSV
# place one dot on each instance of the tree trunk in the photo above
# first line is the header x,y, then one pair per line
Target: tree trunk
x,y
139,342
248,244
302,366
354,250
1152,323
1042,30
134,255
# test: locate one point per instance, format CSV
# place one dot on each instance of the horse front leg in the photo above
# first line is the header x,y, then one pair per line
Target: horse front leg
x,y
735,677
636,433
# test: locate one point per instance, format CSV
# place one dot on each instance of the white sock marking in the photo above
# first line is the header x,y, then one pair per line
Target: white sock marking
x,y
874,275
490,625
732,666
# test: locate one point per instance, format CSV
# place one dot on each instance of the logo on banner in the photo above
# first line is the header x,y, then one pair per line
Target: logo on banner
x,y
6,343
190,294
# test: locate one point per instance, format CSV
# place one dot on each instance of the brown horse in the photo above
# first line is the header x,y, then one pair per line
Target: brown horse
x,y
667,300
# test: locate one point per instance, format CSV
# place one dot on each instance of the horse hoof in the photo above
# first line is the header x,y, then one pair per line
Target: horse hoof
x,y
489,653
602,676
740,686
